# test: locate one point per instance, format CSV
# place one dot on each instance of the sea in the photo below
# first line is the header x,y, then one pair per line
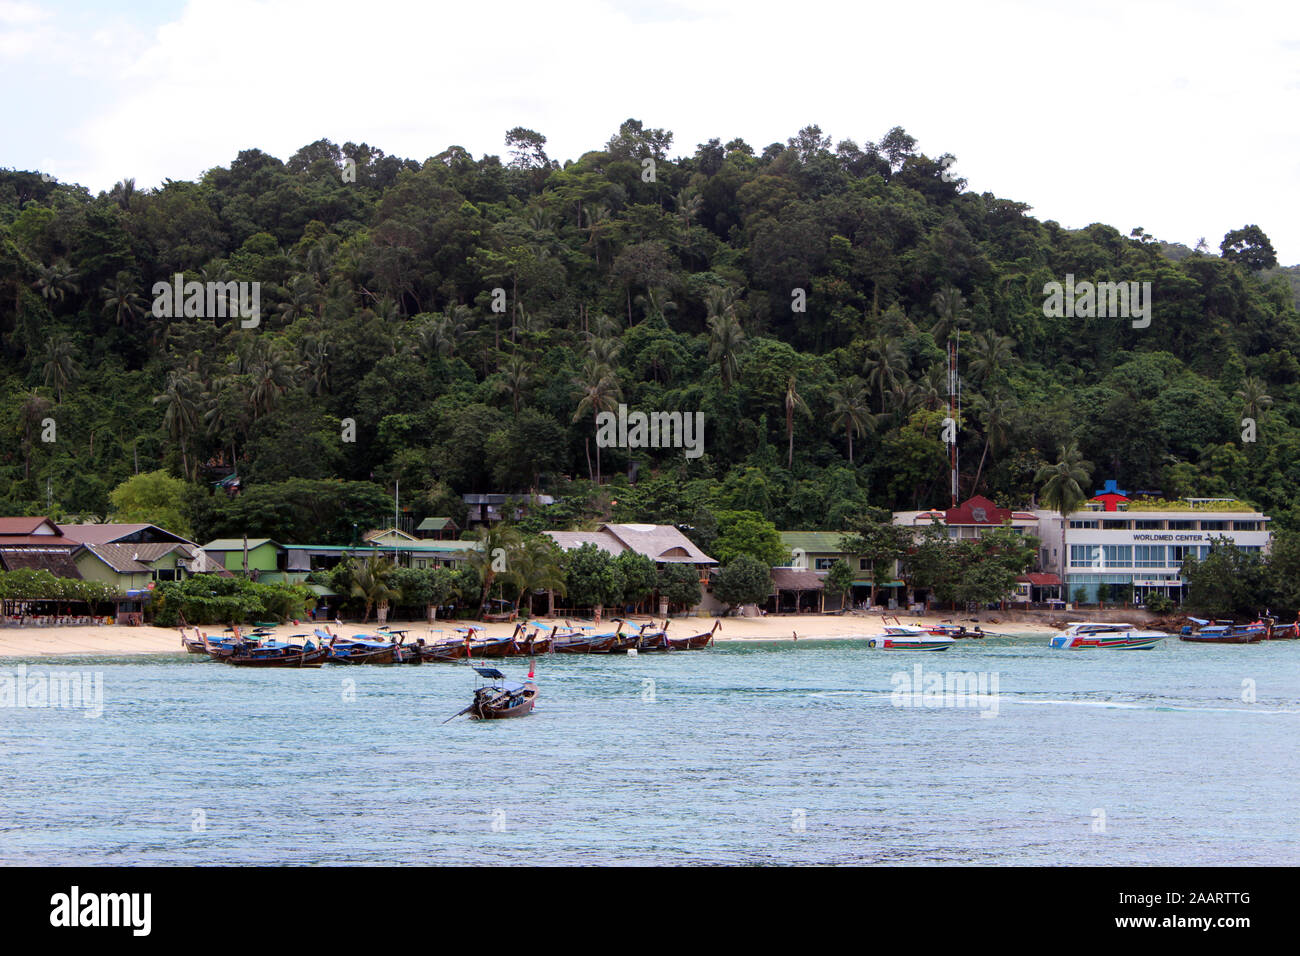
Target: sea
x,y
999,751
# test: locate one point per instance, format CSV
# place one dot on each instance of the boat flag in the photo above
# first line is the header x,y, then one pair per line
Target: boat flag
x,y
532,663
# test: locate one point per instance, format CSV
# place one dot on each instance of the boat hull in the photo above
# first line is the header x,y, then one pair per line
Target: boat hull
x,y
312,658
909,642
1134,643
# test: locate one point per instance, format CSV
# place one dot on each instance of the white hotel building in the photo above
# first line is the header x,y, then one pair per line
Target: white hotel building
x,y
1111,546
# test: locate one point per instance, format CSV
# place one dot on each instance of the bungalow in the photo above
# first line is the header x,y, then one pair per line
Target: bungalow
x,y
817,551
38,544
131,556
439,528
662,544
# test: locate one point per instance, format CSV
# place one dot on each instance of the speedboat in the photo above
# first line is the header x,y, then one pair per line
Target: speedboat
x,y
905,637
1124,637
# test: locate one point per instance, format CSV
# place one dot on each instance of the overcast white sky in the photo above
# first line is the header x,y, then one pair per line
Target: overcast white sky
x,y
1183,118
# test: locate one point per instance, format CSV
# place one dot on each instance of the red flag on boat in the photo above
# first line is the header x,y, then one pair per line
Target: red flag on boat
x,y
531,664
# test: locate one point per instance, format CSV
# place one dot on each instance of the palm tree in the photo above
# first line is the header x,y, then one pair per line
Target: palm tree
x,y
1253,398
993,411
1063,489
56,281
951,310
181,411
596,390
496,543
535,565
793,401
61,368
991,354
726,337
122,301
370,576
849,410
689,204
514,379
885,364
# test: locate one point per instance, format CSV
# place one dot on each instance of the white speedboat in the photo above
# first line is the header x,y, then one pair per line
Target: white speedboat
x,y
1123,637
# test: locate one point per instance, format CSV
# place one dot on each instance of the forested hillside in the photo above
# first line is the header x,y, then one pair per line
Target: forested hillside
x,y
632,274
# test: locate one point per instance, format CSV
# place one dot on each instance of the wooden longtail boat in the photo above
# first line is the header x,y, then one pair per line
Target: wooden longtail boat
x,y
695,641
279,655
441,651
1224,632
593,644
1120,637
501,700
652,639
195,645
1284,632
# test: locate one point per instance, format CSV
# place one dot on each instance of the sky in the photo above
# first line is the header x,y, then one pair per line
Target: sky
x,y
1182,118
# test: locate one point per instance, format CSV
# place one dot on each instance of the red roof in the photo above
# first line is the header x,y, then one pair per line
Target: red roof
x,y
977,510
1040,580
16,531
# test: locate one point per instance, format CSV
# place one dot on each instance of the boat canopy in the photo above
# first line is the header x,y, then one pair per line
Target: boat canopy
x,y
491,673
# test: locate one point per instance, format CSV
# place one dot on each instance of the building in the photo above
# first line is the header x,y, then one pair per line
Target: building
x,y
491,508
970,521
816,551
37,544
1120,550
662,544
131,556
261,558
439,528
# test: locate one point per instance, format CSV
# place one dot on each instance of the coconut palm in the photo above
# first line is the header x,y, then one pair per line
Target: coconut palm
x,y
993,414
181,403
885,365
514,379
950,307
793,401
850,410
535,565
726,339
990,354
61,368
492,557
1063,489
1253,398
56,281
122,301
370,577
596,390
689,205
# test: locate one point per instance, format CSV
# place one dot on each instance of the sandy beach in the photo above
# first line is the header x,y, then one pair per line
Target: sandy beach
x,y
116,641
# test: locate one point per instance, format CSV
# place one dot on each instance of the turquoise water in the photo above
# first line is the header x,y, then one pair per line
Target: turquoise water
x,y
755,753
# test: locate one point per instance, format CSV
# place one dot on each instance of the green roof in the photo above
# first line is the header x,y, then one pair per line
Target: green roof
x,y
813,542
433,524
381,548
236,544
322,591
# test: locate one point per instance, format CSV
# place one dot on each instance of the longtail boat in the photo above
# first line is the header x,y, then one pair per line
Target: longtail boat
x,y
195,645
1223,632
359,649
589,644
1122,637
695,641
1284,632
502,699
653,639
275,654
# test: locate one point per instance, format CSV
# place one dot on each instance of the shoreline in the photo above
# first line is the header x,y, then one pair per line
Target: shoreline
x,y
116,640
